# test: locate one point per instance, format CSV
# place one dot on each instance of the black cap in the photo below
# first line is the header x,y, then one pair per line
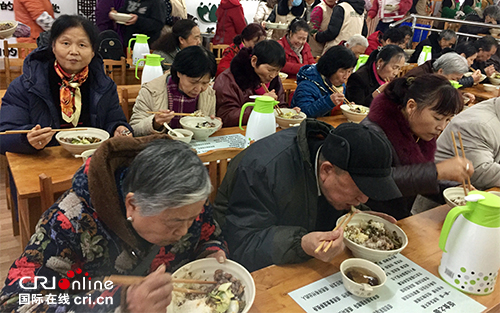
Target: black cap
x,y
366,156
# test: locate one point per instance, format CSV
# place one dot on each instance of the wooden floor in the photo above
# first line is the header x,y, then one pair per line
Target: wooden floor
x,y
10,246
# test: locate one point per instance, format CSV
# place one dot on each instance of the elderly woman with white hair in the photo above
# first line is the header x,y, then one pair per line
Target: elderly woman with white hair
x,y
357,44
137,207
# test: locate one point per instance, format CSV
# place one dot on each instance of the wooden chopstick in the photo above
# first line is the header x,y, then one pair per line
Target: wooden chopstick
x,y
13,132
345,99
469,185
343,225
177,114
278,109
130,280
185,290
346,218
456,153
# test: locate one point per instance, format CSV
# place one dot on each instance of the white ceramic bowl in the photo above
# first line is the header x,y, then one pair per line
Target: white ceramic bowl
x,y
483,77
490,87
354,116
86,154
493,80
288,122
373,255
409,52
121,18
283,76
190,122
6,33
186,132
466,100
453,193
282,26
362,290
204,269
88,132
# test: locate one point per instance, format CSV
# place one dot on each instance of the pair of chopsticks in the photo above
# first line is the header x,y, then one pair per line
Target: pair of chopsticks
x,y
276,107
469,186
343,223
334,89
130,280
12,132
176,114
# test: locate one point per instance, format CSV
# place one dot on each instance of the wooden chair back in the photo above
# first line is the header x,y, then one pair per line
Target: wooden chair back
x,y
218,50
111,66
218,160
48,190
127,95
15,65
289,88
406,68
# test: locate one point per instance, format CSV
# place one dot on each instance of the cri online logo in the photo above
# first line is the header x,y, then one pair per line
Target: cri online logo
x,y
64,283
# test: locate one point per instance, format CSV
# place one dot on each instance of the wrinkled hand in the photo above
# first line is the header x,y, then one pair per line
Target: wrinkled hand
x,y
132,20
165,117
271,94
470,96
110,14
122,131
218,118
312,240
476,76
153,294
337,98
220,256
39,137
455,169
297,109
489,70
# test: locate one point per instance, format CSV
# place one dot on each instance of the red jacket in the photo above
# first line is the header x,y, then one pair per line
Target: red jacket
x,y
227,56
230,21
404,6
293,64
373,42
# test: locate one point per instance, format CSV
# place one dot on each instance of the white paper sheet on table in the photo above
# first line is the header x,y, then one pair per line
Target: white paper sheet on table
x,y
219,142
409,288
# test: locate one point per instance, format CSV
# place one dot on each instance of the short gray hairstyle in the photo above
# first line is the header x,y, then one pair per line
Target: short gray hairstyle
x,y
357,40
451,63
447,34
166,174
492,11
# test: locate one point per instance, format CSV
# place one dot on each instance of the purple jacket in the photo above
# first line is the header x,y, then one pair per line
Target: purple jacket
x,y
102,16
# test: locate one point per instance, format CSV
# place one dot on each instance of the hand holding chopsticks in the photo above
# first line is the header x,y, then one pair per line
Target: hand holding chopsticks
x,y
25,131
347,218
276,107
131,280
335,90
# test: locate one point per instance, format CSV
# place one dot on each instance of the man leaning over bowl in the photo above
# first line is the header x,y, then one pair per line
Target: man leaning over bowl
x,y
137,208
282,196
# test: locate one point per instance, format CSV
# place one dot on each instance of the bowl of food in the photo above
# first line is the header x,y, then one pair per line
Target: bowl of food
x,y
283,76
483,77
289,118
78,141
121,18
202,127
490,88
7,29
282,26
409,52
355,114
188,135
494,79
362,278
373,238
234,291
454,196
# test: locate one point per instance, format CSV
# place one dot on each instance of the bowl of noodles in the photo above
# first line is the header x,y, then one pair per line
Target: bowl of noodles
x,y
7,29
233,293
356,113
78,141
289,118
373,238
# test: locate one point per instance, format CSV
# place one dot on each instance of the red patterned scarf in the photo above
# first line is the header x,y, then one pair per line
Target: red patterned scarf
x,y
69,93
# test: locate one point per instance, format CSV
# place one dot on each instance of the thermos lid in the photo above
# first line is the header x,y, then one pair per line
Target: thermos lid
x,y
264,104
485,208
140,38
153,60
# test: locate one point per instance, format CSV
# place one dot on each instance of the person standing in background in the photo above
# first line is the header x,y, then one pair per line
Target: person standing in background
x,y
310,4
263,10
37,14
284,12
102,19
230,21
389,11
176,10
320,19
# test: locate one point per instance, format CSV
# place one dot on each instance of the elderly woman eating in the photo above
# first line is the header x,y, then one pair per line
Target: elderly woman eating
x,y
62,86
185,89
315,94
138,207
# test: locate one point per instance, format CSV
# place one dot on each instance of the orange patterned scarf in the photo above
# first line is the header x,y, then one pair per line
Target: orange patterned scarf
x,y
69,93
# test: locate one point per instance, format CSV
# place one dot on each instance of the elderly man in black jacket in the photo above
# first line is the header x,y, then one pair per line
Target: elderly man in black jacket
x,y
282,196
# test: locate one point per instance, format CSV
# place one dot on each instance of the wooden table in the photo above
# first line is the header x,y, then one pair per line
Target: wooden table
x,y
273,283
479,92
61,166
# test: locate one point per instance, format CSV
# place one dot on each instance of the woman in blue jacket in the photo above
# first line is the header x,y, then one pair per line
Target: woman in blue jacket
x,y
62,86
315,94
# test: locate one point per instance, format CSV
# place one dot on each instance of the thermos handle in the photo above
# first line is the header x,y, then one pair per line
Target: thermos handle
x,y
448,222
243,111
129,43
137,66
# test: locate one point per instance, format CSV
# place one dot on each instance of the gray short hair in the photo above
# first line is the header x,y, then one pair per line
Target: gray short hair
x,y
357,40
492,11
166,174
447,34
451,63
